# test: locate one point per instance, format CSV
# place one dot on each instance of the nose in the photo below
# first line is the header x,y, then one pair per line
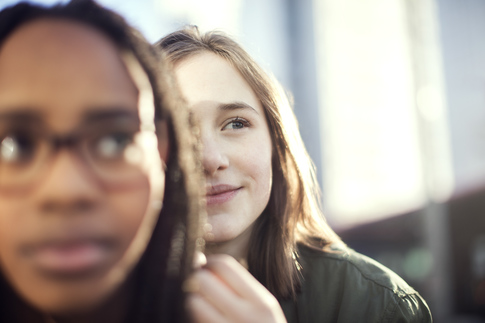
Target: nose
x,y
213,157
68,186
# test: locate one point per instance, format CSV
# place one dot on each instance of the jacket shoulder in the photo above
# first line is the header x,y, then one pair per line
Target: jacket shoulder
x,y
350,287
355,266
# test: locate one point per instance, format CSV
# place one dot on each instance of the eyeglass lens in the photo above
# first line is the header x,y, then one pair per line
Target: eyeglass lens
x,y
106,145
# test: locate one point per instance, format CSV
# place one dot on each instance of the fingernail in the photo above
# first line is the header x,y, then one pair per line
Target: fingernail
x,y
199,260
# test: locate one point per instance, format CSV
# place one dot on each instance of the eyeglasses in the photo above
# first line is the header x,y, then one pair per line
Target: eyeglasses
x,y
109,148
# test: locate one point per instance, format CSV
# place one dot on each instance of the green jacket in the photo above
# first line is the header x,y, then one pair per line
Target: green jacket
x,y
346,286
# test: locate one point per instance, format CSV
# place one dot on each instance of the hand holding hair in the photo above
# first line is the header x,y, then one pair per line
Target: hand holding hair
x,y
227,292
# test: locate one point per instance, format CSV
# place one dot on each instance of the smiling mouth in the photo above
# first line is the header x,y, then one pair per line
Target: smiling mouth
x,y
70,259
220,194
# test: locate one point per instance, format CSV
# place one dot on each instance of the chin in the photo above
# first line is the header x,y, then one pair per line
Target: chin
x,y
221,236
71,299
68,305
231,236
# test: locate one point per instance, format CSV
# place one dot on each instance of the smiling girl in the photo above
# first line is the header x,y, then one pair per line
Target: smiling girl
x,y
262,205
89,150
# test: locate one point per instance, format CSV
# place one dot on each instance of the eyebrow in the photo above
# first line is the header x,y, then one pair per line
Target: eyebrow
x,y
104,113
237,106
27,115
92,114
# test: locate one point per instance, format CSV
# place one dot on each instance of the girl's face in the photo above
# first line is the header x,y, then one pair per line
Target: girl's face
x,y
77,195
237,145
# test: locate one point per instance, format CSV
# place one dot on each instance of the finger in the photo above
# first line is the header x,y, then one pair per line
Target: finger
x,y
202,311
191,284
199,260
218,293
237,277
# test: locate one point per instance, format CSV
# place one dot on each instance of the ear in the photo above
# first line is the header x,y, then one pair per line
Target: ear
x,y
163,140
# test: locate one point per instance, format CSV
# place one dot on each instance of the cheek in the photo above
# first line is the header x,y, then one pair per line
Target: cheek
x,y
130,208
7,241
136,215
263,175
14,228
258,165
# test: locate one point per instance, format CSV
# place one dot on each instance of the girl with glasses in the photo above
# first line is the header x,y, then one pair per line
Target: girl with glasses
x,y
98,199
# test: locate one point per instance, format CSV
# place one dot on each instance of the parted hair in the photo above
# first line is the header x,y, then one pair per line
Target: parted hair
x,y
293,215
167,260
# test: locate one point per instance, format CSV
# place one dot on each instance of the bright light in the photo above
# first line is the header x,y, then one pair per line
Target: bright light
x,y
373,156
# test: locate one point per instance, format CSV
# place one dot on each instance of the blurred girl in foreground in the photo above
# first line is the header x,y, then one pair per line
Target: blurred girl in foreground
x,y
263,208
90,147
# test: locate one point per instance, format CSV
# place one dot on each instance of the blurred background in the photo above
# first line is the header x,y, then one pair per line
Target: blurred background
x,y
390,97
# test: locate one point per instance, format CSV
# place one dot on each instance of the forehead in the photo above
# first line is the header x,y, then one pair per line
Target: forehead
x,y
207,77
62,68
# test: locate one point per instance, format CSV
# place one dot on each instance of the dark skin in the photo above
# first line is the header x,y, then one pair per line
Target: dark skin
x,y
114,309
70,240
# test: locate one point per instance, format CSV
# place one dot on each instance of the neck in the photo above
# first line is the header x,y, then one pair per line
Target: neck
x,y
237,247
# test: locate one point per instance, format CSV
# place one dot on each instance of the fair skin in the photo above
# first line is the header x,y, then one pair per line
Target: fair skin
x,y
69,240
237,154
236,149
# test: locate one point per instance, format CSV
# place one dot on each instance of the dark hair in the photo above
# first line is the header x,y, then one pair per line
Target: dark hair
x,y
293,215
167,259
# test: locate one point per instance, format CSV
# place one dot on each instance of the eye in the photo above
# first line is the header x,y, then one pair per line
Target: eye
x,y
17,148
235,124
112,146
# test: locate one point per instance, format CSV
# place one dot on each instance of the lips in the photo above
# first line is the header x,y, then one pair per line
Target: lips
x,y
71,257
219,194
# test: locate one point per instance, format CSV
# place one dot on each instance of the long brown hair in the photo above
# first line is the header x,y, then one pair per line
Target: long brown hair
x,y
167,260
293,215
